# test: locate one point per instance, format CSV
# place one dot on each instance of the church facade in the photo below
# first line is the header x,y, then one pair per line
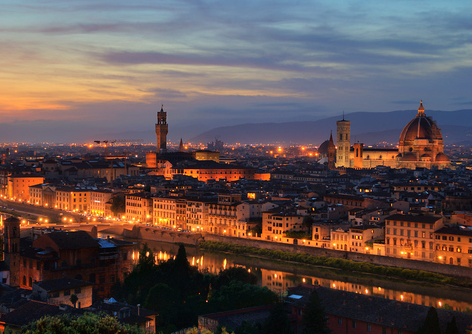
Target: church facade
x,y
420,145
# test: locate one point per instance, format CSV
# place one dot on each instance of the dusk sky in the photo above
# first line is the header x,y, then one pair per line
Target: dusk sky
x,y
229,62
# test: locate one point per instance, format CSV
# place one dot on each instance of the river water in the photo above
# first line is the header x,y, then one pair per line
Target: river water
x,y
279,276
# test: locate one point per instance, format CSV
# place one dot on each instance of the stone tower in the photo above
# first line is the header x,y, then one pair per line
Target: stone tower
x,y
11,248
161,130
358,155
343,143
331,152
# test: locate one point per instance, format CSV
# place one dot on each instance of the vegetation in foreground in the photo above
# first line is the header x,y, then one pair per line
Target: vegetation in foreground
x,y
84,324
409,274
179,292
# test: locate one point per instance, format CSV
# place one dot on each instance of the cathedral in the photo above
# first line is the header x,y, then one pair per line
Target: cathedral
x,y
420,145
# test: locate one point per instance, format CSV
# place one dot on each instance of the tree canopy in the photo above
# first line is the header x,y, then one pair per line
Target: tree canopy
x,y
85,324
179,292
431,323
314,320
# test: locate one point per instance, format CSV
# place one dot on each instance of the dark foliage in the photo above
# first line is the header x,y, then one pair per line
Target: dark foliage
x,y
179,292
451,327
314,318
277,322
233,274
431,323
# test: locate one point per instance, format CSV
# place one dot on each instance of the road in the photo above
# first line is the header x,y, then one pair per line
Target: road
x,y
26,210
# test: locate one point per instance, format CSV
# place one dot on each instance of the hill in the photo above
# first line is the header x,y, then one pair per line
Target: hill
x,y
369,128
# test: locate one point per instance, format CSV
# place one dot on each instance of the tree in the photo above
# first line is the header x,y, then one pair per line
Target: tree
x,y
238,295
118,205
146,260
451,327
166,301
234,274
314,320
73,299
181,260
277,322
431,323
87,323
308,224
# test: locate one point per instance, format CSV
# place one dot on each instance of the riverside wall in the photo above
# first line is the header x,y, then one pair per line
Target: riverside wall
x,y
155,234
450,270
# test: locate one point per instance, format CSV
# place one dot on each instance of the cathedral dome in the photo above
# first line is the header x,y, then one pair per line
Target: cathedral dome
x,y
323,149
441,157
420,127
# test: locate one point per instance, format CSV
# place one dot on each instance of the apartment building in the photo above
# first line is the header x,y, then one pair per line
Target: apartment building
x,y
276,224
453,245
411,237
139,207
98,202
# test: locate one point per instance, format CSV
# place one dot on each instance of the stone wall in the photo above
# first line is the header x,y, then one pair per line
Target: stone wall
x,y
155,234
450,270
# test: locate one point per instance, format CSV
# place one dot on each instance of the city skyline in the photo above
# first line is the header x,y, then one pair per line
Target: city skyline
x,y
103,66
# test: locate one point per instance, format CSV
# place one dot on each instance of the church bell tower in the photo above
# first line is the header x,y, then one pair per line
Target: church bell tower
x,y
11,248
343,143
161,130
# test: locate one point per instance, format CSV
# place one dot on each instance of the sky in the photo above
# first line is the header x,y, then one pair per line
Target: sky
x,y
109,65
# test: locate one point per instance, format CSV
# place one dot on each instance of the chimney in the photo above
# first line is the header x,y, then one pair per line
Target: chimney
x,y
139,307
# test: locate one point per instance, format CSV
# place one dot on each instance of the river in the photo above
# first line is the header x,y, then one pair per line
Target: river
x,y
279,276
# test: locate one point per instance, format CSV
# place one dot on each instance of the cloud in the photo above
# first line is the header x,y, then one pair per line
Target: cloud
x,y
168,93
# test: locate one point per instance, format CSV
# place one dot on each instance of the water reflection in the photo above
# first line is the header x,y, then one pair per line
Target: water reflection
x,y
279,277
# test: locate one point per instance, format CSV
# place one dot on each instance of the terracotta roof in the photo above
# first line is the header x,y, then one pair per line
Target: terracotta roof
x,y
72,240
414,219
455,230
29,312
376,310
62,284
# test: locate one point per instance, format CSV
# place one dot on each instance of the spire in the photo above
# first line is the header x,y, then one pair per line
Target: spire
x,y
421,109
181,146
331,136
343,115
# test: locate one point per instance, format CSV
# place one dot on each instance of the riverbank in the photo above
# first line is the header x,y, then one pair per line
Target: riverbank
x,y
337,263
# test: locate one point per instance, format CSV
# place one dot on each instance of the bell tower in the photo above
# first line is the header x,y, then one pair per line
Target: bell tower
x,y
344,143
11,248
161,130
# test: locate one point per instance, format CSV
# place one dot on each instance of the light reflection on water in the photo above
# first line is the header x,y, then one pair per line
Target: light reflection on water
x,y
279,277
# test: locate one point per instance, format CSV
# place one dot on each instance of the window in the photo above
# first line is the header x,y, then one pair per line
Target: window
x,y
77,291
340,321
66,292
368,328
353,323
